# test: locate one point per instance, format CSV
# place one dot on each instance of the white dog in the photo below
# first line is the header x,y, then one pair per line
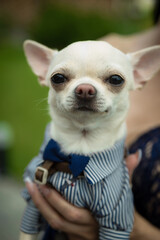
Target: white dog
x,y
89,84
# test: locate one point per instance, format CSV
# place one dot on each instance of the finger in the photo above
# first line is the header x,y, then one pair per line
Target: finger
x,y
131,163
133,160
67,210
55,220
52,217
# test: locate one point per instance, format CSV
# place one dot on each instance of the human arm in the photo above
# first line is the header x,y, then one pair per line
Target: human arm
x,y
143,230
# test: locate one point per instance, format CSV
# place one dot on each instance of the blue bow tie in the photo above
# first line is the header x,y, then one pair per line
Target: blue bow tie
x,y
77,163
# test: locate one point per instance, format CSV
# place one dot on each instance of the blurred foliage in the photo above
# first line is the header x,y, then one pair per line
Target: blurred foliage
x,y
5,27
23,102
23,106
59,25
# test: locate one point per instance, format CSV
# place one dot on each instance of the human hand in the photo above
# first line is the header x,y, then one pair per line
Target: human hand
x,y
78,223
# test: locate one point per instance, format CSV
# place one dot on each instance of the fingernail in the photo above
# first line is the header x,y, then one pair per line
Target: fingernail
x,y
29,185
139,152
28,179
44,190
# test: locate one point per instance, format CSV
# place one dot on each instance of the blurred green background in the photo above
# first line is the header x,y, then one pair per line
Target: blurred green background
x,y
23,103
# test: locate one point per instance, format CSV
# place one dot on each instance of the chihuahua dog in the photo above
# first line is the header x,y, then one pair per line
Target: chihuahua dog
x,y
89,84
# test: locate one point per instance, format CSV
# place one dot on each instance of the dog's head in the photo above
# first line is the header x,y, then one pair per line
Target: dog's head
x,y
91,77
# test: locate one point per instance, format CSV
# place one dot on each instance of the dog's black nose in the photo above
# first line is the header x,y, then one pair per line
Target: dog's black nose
x,y
85,91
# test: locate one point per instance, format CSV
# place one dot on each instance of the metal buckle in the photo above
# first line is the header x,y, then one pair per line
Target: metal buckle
x,y
44,176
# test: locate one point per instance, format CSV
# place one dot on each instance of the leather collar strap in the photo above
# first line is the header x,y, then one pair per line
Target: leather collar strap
x,y
47,168
56,161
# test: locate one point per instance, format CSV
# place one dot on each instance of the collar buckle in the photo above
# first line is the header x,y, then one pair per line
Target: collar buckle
x,y
44,175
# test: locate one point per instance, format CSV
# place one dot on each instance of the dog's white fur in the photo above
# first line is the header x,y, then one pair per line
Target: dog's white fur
x,y
90,62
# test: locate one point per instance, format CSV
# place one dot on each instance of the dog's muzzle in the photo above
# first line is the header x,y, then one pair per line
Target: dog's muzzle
x,y
85,92
85,97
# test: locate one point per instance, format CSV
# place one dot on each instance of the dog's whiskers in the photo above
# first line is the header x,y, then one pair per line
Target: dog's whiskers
x,y
39,101
40,104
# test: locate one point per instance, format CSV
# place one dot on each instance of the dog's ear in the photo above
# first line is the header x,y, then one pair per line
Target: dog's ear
x,y
146,63
39,58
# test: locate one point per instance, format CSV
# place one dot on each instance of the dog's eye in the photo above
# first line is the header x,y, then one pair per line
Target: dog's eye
x,y
115,80
58,78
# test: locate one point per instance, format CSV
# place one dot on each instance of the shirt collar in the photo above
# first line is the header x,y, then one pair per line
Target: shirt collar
x,y
104,163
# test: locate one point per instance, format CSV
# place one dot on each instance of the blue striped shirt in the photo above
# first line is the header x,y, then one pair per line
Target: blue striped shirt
x,y
104,189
